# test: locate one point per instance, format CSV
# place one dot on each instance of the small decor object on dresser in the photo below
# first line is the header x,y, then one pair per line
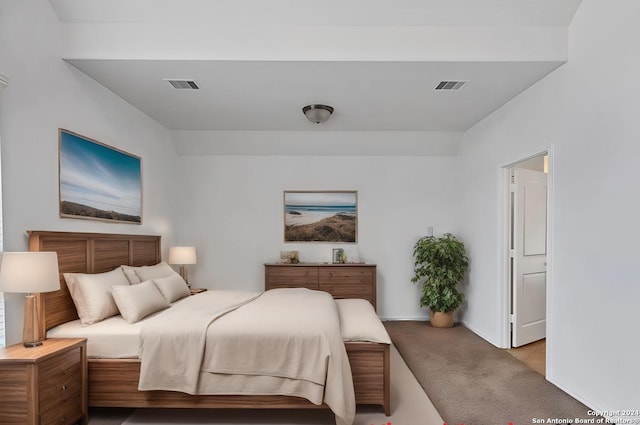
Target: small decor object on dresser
x,y
289,257
315,216
339,256
98,182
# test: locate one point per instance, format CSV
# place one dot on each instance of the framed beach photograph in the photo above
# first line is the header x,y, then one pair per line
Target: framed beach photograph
x,y
320,216
98,182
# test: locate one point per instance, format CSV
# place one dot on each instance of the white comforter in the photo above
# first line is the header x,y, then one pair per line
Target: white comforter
x,y
284,333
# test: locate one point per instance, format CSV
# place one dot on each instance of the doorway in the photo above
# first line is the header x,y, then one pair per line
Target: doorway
x,y
527,253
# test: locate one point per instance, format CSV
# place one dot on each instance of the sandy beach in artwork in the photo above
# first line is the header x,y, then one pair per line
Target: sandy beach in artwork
x,y
335,228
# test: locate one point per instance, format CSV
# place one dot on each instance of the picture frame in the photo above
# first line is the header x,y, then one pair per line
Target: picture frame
x,y
338,256
321,216
97,181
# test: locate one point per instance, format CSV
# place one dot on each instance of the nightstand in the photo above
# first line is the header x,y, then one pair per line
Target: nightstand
x,y
44,385
197,290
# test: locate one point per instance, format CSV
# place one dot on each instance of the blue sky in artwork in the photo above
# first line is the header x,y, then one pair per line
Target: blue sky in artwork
x,y
100,177
320,198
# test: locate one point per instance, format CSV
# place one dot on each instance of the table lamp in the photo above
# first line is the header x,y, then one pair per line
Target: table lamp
x,y
182,255
31,273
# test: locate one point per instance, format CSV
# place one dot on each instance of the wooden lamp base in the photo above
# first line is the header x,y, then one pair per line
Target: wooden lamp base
x,y
31,334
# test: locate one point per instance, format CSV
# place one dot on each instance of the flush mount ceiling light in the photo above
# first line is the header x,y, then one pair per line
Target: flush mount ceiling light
x,y
317,113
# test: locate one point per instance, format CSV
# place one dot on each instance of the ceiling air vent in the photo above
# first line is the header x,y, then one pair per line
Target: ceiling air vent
x,y
450,85
184,84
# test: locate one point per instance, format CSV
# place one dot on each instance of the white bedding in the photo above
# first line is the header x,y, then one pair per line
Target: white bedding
x,y
350,320
114,338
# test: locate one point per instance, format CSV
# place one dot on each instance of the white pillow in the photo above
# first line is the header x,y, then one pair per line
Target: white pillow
x,y
359,322
136,302
96,295
154,272
76,295
130,273
172,287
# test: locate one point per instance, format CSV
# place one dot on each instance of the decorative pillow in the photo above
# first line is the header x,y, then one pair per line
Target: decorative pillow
x,y
136,302
130,273
154,272
96,295
76,295
172,287
359,322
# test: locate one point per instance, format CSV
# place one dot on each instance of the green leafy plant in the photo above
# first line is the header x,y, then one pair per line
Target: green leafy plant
x,y
442,263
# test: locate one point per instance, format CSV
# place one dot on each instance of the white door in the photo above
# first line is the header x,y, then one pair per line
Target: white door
x,y
529,253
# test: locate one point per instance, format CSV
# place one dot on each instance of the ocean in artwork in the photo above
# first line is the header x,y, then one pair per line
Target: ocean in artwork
x,y
311,207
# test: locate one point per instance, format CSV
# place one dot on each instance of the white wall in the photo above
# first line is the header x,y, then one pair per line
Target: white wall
x,y
587,112
232,211
44,94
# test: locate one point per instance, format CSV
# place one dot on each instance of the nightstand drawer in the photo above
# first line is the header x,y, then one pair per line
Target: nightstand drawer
x,y
67,412
60,366
55,392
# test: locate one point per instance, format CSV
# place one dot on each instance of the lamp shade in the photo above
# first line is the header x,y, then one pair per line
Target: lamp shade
x,y
29,272
182,255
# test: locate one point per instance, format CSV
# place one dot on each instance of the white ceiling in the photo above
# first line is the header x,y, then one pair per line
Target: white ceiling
x,y
381,77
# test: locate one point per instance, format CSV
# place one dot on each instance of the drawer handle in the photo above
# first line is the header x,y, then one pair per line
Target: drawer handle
x,y
64,387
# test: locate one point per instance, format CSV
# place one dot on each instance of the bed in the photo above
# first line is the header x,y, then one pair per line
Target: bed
x,y
114,382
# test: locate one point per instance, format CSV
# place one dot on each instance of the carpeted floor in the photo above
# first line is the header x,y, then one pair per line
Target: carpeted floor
x,y
472,382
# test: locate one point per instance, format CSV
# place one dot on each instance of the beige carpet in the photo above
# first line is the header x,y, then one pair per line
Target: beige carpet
x,y
472,382
409,405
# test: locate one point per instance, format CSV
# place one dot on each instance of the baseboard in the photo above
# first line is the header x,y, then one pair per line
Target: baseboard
x,y
481,335
404,318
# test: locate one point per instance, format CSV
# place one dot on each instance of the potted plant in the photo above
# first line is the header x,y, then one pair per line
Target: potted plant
x,y
442,263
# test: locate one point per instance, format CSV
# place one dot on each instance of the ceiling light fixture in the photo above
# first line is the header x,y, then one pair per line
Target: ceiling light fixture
x,y
317,113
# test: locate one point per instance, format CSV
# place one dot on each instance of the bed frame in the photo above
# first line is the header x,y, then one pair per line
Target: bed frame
x,y
114,382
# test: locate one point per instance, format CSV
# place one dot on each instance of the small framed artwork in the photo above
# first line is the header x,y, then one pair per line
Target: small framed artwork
x,y
320,216
98,182
338,256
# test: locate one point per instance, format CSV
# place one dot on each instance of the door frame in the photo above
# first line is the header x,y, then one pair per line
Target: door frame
x,y
503,249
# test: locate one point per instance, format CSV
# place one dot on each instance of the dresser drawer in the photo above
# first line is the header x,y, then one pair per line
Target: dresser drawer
x,y
67,412
356,275
292,277
348,290
341,281
60,366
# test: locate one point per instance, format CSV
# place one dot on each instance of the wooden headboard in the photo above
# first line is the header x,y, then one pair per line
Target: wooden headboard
x,y
87,253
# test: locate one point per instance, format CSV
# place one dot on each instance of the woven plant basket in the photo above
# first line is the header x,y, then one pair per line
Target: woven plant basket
x,y
438,319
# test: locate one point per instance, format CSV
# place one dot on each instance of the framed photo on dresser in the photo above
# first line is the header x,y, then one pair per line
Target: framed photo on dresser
x,y
97,181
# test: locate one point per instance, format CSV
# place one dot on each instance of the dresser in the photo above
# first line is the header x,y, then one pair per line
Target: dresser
x,y
44,385
340,280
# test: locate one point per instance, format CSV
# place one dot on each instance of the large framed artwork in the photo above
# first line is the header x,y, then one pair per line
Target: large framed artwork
x,y
320,216
98,182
